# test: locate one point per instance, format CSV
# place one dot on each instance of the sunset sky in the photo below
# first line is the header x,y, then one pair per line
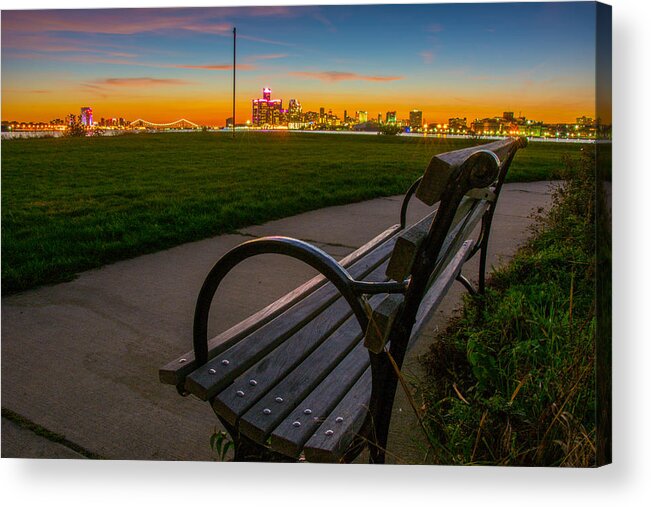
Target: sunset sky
x,y
471,60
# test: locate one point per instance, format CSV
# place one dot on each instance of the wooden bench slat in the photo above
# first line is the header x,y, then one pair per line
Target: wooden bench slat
x,y
209,379
289,439
441,167
332,438
461,233
246,389
408,241
438,290
234,400
175,371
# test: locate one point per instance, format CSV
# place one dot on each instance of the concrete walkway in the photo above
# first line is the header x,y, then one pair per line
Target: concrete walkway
x,y
81,359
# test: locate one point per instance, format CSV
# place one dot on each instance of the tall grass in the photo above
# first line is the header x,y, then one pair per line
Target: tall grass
x,y
512,382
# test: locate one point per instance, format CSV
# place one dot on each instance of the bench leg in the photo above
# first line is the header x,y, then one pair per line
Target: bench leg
x,y
385,383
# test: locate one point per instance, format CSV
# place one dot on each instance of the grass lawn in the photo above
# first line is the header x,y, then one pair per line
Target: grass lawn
x,y
72,204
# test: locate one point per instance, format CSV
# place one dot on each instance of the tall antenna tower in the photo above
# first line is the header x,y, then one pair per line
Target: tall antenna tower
x,y
234,43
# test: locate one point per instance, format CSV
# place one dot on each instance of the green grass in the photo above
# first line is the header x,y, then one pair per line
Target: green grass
x,y
72,204
513,384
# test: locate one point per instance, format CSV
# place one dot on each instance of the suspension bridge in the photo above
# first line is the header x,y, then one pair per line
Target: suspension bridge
x,y
178,124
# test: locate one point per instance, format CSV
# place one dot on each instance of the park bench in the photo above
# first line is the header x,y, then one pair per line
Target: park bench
x,y
313,375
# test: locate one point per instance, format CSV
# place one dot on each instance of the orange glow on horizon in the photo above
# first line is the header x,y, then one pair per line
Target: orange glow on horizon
x,y
44,107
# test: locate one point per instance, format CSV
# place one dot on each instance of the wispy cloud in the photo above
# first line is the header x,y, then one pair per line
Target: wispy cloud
x,y
56,43
272,56
117,22
135,82
26,29
435,27
94,59
319,16
427,56
334,76
219,66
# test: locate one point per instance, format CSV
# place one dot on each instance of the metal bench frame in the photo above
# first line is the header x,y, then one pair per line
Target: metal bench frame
x,y
478,167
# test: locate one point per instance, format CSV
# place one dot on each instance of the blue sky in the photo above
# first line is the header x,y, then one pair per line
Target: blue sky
x,y
470,60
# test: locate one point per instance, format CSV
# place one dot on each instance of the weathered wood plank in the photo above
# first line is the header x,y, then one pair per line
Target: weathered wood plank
x,y
460,234
407,244
409,241
209,379
174,372
248,388
435,178
332,438
441,167
288,438
438,290
322,374
381,322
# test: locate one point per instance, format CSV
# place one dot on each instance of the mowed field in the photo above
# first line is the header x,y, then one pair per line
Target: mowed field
x,y
72,204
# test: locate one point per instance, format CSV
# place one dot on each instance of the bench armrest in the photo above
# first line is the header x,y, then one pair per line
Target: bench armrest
x,y
349,288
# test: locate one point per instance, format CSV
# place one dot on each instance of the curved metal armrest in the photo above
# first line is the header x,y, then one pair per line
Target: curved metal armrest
x,y
405,202
349,288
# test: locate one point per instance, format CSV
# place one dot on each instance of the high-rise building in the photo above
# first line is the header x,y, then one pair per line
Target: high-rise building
x,y
294,117
87,116
362,116
507,116
266,111
321,114
457,124
295,111
415,119
391,117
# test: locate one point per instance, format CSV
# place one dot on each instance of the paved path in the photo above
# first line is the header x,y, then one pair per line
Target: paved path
x,y
81,359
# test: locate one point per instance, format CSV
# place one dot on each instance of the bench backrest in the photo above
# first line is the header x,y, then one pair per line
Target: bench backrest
x,y
465,184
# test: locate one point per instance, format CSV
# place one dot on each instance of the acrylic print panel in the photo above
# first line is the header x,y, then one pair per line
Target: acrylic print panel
x,y
154,158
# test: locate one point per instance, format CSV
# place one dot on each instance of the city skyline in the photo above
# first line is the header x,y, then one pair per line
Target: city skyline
x,y
446,60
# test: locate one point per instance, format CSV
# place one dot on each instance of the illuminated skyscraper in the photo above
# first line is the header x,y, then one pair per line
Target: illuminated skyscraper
x,y
415,119
87,116
391,117
362,116
266,111
295,114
